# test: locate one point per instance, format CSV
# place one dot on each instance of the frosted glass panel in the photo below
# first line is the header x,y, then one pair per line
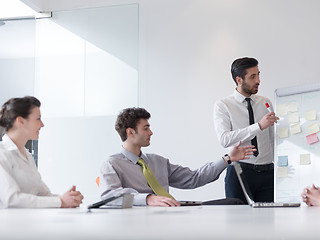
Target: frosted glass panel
x,y
111,60
111,83
90,58
17,59
17,63
86,67
71,151
60,70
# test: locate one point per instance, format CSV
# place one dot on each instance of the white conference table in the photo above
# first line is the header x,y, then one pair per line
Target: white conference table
x,y
196,222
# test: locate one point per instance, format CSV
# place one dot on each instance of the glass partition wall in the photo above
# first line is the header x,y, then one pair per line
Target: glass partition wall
x,y
85,71
17,64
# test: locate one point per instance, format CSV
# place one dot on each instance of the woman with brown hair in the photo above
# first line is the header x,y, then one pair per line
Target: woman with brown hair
x,y
21,184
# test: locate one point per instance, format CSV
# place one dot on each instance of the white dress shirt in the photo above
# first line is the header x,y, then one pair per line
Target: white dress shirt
x,y
20,181
231,119
121,174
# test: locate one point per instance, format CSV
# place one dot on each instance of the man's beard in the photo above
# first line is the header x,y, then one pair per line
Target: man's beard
x,y
245,88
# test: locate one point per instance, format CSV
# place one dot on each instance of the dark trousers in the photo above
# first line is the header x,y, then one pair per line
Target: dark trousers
x,y
259,182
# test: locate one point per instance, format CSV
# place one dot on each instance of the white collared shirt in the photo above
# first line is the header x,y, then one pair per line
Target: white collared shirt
x,y
20,181
231,119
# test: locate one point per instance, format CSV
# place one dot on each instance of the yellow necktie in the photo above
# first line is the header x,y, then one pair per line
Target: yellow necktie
x,y
152,181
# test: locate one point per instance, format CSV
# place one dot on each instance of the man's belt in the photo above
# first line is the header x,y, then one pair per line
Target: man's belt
x,y
258,168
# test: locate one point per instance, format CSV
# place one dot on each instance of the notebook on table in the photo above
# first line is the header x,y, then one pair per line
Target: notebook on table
x,y
249,197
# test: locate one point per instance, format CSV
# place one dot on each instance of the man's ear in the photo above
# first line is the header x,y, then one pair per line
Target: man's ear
x,y
239,81
130,132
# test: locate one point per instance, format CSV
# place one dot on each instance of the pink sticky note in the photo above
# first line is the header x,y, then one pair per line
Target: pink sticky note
x,y
312,138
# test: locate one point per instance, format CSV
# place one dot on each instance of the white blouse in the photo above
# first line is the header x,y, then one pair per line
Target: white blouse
x,y
20,181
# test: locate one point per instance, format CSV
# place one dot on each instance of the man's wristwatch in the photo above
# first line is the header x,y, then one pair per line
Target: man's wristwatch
x,y
227,158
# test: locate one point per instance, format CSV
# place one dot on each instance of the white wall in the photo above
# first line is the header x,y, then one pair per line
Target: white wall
x,y
186,49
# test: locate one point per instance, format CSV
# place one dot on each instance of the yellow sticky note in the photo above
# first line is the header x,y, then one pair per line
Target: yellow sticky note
x,y
294,117
281,110
311,115
282,172
283,132
296,128
313,128
292,107
305,159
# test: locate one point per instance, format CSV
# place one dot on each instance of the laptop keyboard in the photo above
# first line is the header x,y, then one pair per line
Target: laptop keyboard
x,y
267,204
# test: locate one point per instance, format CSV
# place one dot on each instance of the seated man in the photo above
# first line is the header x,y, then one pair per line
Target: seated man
x,y
129,170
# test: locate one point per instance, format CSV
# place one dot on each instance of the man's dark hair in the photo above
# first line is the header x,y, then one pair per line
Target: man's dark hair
x,y
16,107
239,67
129,118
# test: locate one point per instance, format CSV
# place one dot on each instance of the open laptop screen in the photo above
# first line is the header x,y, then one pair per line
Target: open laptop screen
x,y
243,182
248,194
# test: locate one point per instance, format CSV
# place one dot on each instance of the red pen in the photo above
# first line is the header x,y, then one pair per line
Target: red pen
x,y
268,107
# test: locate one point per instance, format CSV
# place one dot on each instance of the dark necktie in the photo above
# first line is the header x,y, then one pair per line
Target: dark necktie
x,y
251,121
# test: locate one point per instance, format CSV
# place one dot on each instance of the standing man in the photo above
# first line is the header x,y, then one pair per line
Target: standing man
x,y
148,176
244,117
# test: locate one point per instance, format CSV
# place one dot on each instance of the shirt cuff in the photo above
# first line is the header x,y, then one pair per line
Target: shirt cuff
x,y
49,202
140,199
221,165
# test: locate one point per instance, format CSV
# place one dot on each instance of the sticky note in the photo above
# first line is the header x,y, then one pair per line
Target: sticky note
x,y
312,138
294,117
282,161
283,132
313,128
281,110
282,172
292,107
311,115
305,159
295,128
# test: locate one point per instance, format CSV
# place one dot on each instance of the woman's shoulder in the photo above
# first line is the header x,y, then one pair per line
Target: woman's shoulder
x,y
3,149
4,157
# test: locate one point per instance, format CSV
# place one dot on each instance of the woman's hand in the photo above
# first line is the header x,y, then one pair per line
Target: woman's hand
x,y
71,198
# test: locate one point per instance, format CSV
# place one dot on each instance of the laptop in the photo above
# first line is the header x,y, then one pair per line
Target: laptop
x,y
190,203
127,202
248,195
